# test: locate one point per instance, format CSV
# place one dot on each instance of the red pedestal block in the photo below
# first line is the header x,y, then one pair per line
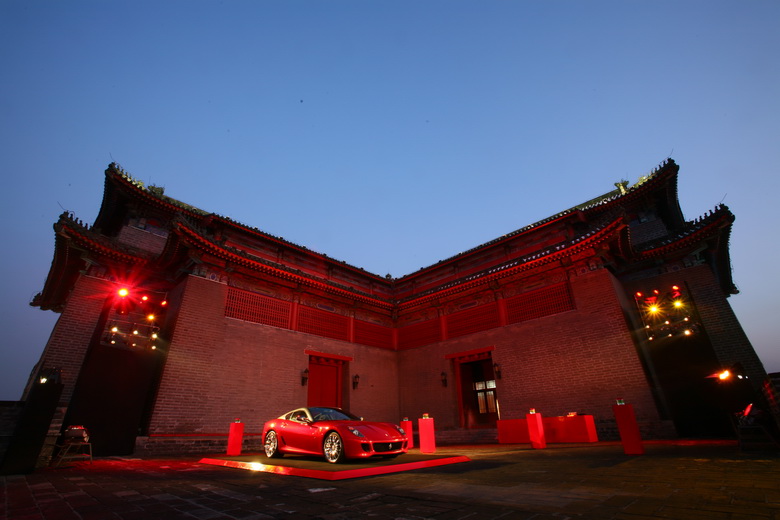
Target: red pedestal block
x,y
513,431
408,427
536,430
235,439
427,435
629,429
577,428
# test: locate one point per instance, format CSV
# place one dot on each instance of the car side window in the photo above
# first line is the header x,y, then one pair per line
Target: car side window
x,y
299,416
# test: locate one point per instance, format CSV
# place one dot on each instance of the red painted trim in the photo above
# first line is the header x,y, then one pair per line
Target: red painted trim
x,y
334,475
310,280
469,352
323,354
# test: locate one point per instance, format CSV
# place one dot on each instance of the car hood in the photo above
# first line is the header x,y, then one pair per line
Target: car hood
x,y
369,429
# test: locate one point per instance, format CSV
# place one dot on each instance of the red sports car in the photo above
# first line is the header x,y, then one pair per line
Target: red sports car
x,y
332,432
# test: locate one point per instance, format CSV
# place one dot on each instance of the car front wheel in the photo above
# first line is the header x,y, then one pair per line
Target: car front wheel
x,y
333,448
271,445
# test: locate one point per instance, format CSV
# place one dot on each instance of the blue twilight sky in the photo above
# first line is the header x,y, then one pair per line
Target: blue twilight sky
x,y
388,134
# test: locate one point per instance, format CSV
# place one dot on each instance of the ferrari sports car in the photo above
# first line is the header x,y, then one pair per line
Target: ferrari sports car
x,y
332,432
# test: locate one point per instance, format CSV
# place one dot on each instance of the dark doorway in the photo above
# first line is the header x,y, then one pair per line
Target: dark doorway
x,y
478,394
110,397
698,404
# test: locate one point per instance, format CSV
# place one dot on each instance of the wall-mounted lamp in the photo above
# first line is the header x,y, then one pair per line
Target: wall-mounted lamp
x,y
355,381
497,370
304,377
50,375
444,379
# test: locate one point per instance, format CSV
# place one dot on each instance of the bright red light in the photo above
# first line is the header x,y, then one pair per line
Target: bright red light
x,y
144,298
639,295
123,292
675,288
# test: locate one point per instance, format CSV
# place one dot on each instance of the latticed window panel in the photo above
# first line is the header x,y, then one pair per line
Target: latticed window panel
x,y
249,306
373,335
323,323
473,320
542,302
419,334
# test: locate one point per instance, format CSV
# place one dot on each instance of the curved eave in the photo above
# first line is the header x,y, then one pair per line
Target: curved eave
x,y
715,231
198,241
698,231
120,183
666,173
75,247
65,268
120,180
662,178
291,245
526,263
96,247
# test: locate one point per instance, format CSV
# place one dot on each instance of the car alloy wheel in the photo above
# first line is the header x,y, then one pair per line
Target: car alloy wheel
x,y
271,445
333,448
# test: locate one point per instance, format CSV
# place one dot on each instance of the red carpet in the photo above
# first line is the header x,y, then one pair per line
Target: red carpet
x,y
319,469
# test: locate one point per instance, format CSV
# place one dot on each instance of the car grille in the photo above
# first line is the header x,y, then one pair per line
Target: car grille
x,y
380,447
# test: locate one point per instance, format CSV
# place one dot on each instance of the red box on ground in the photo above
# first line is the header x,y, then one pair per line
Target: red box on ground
x,y
513,431
235,439
408,427
629,429
427,435
577,428
536,430
571,428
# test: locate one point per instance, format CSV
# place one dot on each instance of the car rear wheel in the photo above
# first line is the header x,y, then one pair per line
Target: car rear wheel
x,y
271,445
333,448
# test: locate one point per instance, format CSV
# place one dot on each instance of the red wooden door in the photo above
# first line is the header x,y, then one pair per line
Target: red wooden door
x,y
324,382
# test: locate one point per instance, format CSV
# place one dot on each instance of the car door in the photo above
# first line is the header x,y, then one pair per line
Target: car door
x,y
299,434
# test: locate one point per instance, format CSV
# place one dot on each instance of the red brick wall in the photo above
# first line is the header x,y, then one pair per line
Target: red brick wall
x,y
74,329
141,239
579,361
220,368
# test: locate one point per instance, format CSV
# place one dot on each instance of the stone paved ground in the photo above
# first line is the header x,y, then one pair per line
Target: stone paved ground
x,y
587,482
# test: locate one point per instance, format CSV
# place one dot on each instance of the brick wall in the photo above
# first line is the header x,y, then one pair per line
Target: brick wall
x,y
141,239
221,368
578,361
71,336
581,360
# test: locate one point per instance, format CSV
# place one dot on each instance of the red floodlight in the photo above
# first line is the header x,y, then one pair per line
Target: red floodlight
x,y
123,303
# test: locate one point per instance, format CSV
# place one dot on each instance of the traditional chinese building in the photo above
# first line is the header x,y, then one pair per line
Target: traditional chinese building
x,y
617,298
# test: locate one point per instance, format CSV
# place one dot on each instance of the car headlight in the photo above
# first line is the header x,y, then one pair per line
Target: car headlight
x,y
356,432
400,430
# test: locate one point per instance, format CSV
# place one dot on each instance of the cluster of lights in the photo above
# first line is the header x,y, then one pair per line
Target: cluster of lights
x,y
137,317
726,375
665,314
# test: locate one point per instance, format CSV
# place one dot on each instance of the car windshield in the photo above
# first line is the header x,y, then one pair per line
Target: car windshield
x,y
331,414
